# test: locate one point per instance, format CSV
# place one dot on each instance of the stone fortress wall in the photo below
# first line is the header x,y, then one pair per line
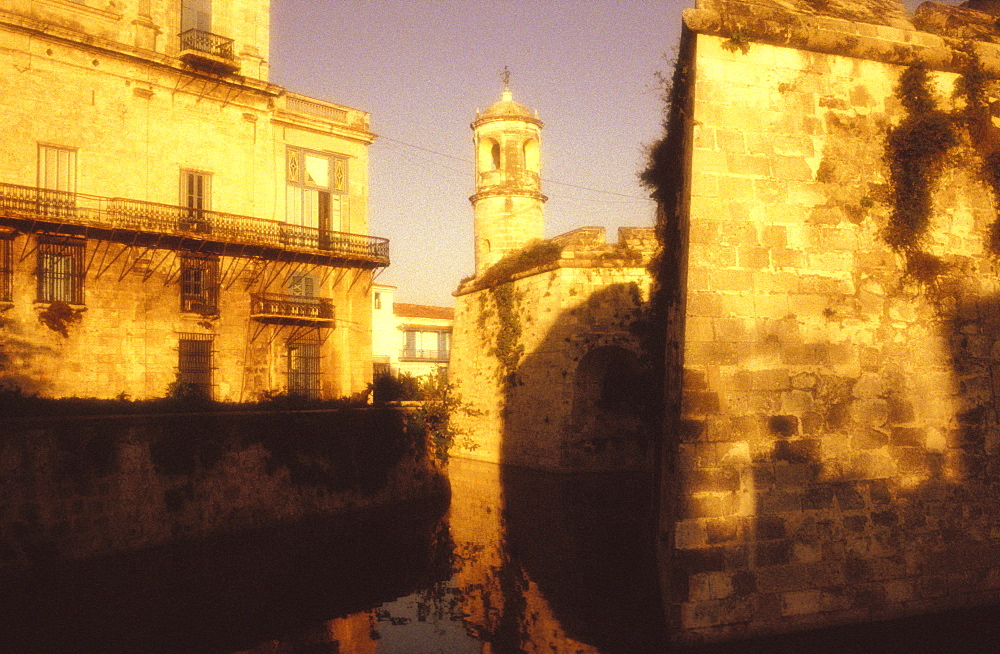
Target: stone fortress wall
x,y
831,206
519,357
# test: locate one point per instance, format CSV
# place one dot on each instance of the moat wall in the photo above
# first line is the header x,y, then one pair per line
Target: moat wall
x,y
72,488
837,440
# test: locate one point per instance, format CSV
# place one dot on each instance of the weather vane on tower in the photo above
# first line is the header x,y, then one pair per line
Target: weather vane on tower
x,y
505,76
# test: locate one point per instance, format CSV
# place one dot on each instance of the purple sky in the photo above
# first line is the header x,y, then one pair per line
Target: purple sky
x,y
423,67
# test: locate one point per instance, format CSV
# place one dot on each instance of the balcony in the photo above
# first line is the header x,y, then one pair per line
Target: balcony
x,y
150,224
208,51
408,354
291,310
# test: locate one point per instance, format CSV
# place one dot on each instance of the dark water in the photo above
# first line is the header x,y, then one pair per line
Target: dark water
x,y
520,561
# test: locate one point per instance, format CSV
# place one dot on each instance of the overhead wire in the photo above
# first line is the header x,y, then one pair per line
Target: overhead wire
x,y
544,179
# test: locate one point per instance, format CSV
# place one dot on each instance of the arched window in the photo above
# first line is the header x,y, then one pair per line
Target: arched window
x,y
532,160
489,155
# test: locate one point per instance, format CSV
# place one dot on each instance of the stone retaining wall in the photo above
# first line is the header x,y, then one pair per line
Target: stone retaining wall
x,y
77,487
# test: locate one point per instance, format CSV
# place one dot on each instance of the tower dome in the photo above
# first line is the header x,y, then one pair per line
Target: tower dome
x,y
508,201
506,109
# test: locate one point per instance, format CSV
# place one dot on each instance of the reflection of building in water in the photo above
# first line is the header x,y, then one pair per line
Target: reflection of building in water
x,y
548,341
409,338
167,214
504,607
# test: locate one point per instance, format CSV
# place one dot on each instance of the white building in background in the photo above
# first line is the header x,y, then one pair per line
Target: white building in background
x,y
409,338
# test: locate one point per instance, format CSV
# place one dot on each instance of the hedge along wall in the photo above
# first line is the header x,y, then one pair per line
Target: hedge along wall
x,y
837,440
77,487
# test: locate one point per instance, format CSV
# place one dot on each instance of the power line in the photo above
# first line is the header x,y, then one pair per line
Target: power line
x,y
544,179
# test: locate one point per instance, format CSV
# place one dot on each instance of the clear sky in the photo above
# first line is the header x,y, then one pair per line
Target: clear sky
x,y
423,67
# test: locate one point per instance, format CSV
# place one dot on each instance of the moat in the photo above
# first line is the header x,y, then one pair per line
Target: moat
x,y
518,560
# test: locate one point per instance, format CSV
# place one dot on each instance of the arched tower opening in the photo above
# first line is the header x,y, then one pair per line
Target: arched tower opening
x,y
532,157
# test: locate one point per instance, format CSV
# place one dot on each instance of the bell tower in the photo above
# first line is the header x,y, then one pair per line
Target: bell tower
x,y
507,205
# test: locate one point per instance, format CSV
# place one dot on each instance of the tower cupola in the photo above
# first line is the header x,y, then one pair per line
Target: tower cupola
x,y
508,201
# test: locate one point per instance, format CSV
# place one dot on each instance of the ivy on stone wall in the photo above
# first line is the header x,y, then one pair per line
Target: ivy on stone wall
x,y
502,305
914,153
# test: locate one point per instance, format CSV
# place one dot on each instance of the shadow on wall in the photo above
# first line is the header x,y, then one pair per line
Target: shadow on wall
x,y
584,399
17,358
584,539
879,495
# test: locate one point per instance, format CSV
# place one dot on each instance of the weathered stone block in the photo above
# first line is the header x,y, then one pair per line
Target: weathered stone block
x,y
753,257
731,280
730,610
710,586
769,553
710,506
848,496
818,497
778,501
908,436
800,602
782,578
793,168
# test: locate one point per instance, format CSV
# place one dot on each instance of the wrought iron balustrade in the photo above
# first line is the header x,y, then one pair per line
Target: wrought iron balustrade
x,y
424,355
31,204
202,41
274,307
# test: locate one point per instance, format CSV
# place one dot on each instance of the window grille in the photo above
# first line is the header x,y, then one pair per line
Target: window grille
x,y
60,272
303,369
6,269
200,284
194,363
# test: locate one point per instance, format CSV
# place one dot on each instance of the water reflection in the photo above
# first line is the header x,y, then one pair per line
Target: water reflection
x,y
541,563
524,562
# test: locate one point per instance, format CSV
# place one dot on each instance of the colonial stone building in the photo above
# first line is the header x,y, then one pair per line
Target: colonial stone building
x,y
548,346
168,215
829,185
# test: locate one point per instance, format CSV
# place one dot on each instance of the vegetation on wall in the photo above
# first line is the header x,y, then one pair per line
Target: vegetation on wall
x,y
499,318
534,254
914,154
59,317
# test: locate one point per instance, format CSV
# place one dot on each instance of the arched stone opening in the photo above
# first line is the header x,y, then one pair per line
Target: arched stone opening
x,y
606,404
489,155
532,158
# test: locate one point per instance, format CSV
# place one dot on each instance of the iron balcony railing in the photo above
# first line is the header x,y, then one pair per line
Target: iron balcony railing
x,y
424,355
29,203
273,305
202,41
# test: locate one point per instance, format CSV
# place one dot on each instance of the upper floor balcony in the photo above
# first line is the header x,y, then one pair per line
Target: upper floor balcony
x,y
412,354
291,309
209,51
151,224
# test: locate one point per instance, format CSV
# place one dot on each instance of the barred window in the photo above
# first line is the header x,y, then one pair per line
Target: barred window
x,y
194,364
6,268
200,284
60,272
303,369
